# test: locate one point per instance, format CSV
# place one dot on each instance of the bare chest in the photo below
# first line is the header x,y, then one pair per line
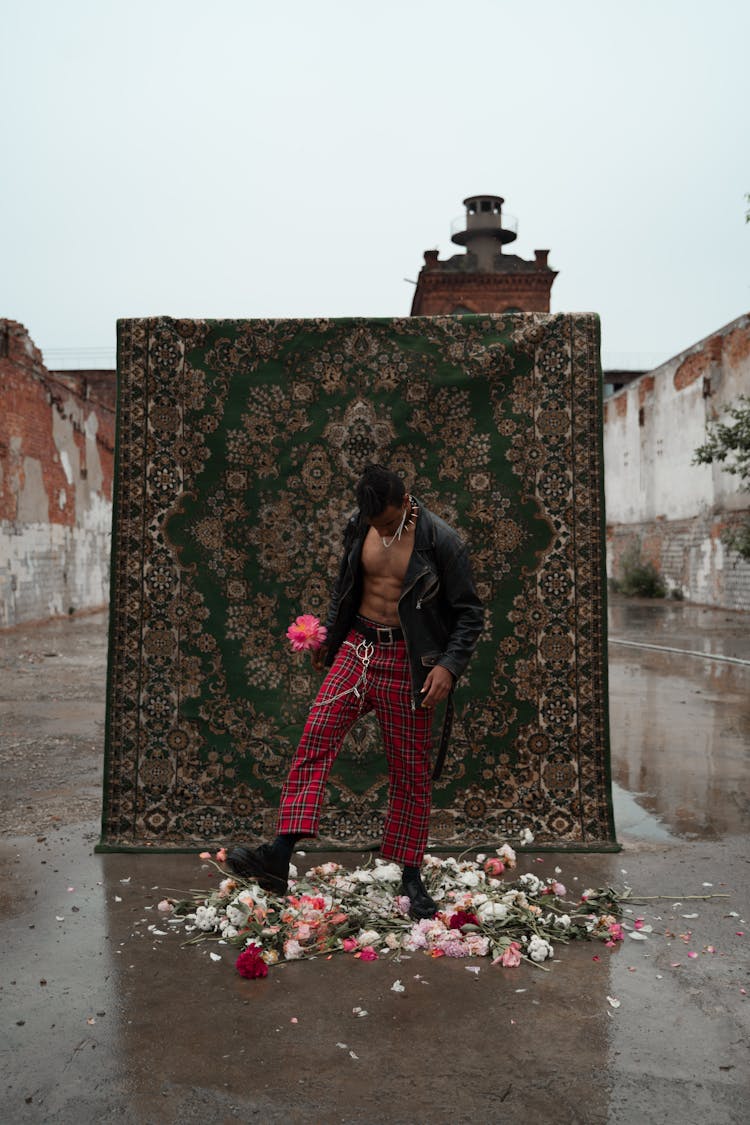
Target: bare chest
x,y
389,563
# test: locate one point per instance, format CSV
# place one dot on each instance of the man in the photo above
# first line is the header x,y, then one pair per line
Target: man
x,y
404,620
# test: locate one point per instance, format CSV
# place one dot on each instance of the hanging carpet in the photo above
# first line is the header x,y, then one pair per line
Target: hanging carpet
x,y
239,445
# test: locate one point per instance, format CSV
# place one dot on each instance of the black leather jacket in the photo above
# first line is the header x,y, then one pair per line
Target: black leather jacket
x,y
439,609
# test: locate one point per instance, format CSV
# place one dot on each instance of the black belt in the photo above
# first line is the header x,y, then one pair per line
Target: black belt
x,y
378,634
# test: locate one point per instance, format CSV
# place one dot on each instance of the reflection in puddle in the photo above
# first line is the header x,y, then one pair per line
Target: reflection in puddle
x,y
635,821
680,734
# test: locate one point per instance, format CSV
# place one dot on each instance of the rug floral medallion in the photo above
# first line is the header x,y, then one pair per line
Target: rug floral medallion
x,y
239,445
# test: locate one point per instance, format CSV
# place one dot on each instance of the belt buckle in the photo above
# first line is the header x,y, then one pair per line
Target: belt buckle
x,y
388,639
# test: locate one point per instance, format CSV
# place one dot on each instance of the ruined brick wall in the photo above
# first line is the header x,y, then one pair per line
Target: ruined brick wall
x,y
440,294
56,464
655,495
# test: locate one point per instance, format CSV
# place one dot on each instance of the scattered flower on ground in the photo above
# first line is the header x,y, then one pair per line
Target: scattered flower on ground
x,y
251,964
331,910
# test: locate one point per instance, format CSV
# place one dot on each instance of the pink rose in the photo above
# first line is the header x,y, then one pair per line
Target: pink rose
x,y
367,954
221,855
616,931
292,949
511,958
205,855
165,906
494,867
349,944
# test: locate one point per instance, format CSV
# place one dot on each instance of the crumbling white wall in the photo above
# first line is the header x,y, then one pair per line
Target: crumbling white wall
x,y
654,494
55,489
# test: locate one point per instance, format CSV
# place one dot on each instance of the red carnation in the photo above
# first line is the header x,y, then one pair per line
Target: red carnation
x,y
250,963
463,918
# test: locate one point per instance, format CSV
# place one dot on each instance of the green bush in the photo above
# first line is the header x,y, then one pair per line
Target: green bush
x,y
728,443
637,579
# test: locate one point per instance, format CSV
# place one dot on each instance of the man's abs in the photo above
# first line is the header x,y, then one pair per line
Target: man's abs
x,y
383,578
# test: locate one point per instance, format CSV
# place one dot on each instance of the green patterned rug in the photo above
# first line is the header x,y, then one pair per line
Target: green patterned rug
x,y
239,443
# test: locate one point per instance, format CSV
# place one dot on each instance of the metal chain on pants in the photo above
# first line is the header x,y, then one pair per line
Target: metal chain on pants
x,y
364,652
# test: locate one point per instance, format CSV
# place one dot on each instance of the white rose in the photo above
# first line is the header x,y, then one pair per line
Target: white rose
x,y
489,910
539,949
387,872
368,937
564,920
469,879
205,918
236,915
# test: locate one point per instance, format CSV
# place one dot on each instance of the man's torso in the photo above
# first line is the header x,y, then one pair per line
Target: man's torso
x,y
383,572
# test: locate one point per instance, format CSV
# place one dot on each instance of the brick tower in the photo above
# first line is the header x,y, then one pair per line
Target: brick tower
x,y
484,279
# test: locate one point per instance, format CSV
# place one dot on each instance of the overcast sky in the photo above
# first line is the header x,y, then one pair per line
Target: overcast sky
x,y
242,158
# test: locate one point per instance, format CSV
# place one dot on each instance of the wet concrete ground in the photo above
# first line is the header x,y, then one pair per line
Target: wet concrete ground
x,y
103,1022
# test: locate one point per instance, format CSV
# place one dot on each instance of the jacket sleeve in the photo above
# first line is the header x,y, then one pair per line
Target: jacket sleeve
x,y
466,613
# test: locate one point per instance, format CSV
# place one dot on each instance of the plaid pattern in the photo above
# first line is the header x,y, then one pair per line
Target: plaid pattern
x,y
406,738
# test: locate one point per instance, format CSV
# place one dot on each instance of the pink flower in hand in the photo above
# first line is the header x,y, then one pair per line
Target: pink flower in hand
x,y
306,633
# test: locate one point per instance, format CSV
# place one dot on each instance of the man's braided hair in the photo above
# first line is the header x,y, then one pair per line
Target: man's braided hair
x,y
378,488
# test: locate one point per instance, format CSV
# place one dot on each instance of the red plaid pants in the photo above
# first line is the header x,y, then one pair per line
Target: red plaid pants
x,y
406,738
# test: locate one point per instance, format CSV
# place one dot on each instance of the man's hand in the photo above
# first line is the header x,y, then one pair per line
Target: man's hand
x,y
437,686
318,656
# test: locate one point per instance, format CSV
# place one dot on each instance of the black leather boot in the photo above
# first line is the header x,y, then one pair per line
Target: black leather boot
x,y
422,905
263,864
